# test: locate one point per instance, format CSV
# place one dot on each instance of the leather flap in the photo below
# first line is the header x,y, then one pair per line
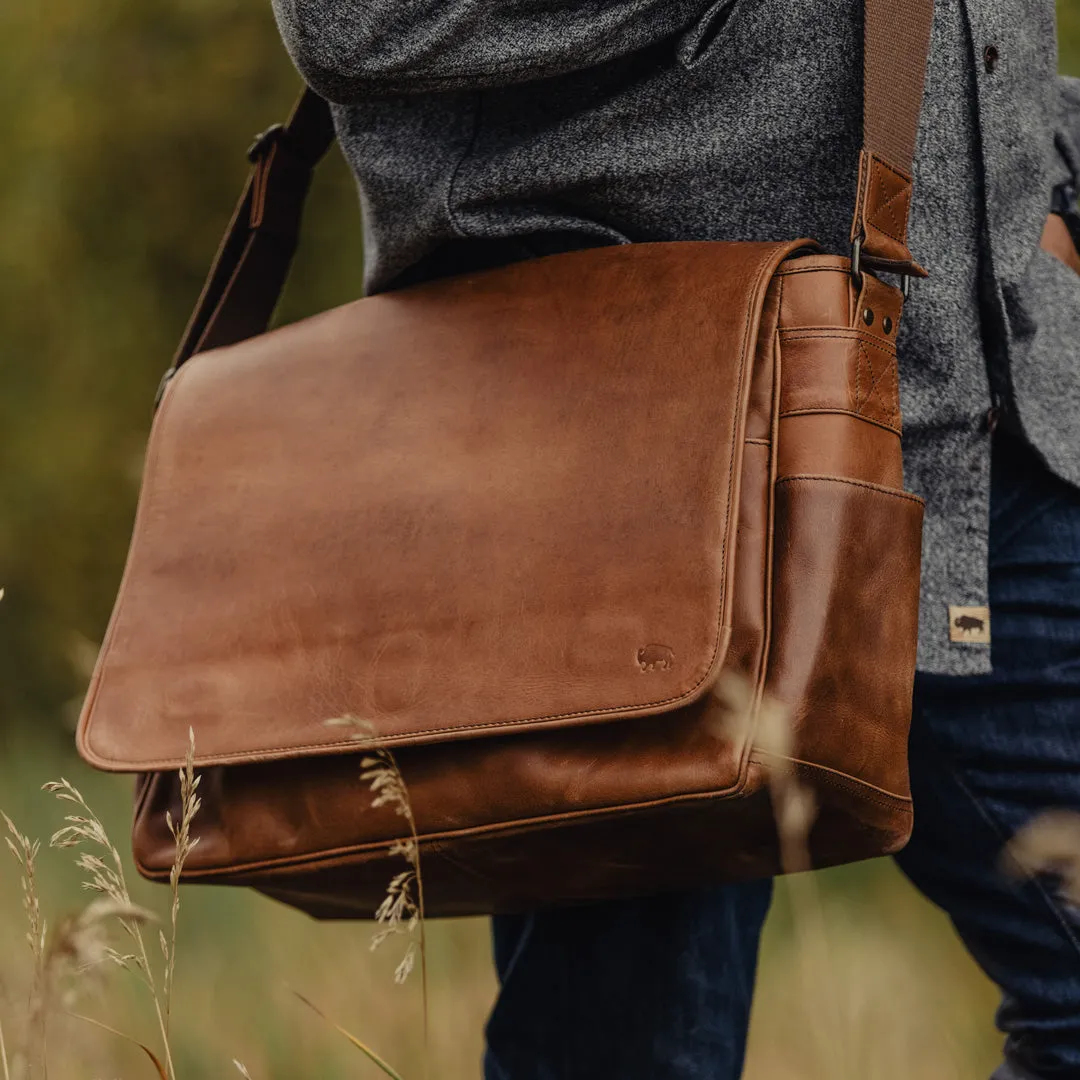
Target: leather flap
x,y
486,504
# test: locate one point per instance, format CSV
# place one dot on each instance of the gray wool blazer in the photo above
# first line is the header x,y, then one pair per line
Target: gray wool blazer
x,y
483,131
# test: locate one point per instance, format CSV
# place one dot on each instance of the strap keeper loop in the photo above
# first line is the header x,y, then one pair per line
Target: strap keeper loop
x,y
264,142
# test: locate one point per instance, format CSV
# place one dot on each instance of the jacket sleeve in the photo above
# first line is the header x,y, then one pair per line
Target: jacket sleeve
x,y
351,49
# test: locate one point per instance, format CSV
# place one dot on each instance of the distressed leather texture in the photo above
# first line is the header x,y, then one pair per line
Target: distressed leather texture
x,y
882,215
469,508
537,635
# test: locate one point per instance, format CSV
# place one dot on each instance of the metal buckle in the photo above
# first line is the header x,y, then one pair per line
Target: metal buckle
x,y
263,142
856,263
856,269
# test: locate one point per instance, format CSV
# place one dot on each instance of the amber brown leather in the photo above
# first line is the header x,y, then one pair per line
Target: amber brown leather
x,y
509,507
825,564
895,45
881,216
896,42
528,526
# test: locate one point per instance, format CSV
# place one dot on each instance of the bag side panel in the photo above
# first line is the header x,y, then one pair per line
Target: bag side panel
x,y
847,547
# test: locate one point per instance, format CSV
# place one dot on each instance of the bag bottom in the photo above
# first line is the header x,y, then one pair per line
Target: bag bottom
x,y
695,842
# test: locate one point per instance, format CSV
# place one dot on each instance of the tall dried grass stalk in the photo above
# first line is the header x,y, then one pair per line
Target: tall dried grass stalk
x,y
25,852
1049,845
401,912
105,876
190,804
746,715
159,1067
4,1063
366,1050
66,960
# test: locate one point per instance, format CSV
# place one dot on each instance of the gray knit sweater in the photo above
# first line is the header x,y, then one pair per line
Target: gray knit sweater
x,y
483,131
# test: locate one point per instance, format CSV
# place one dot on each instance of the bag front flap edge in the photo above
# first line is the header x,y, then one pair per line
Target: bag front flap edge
x,y
217,517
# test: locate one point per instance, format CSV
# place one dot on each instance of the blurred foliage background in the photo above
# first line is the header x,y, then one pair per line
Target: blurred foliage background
x,y
124,127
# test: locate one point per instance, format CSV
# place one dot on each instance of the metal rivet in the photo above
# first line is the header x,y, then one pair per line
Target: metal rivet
x,y
886,325
868,317
991,56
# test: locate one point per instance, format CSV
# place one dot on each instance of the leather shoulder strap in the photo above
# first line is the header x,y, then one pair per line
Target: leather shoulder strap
x,y
896,45
249,271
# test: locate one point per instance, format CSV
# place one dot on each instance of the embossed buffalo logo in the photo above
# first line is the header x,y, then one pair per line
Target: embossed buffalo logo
x,y
655,658
969,624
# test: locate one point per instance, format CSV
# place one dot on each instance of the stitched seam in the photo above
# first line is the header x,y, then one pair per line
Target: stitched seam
x,y
887,207
904,179
757,298
875,386
829,411
838,778
376,846
880,489
765,650
829,333
303,750
785,271
865,341
860,356
898,173
84,732
314,749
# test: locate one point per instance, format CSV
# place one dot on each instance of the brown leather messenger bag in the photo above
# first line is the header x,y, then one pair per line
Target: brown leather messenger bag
x,y
556,536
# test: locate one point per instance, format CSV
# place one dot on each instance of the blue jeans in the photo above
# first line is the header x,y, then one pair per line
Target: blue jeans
x,y
660,988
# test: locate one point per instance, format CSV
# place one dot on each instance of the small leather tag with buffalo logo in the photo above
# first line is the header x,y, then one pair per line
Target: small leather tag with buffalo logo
x,y
969,625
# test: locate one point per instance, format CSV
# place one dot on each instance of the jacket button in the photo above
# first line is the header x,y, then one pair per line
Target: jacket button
x,y
991,58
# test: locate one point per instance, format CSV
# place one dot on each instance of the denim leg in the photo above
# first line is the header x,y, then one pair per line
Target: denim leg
x,y
992,752
648,989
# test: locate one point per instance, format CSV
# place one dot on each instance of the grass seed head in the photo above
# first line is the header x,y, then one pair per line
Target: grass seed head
x,y
1048,845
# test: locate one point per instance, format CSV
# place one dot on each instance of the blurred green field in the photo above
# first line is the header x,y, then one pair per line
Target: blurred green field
x,y
125,126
